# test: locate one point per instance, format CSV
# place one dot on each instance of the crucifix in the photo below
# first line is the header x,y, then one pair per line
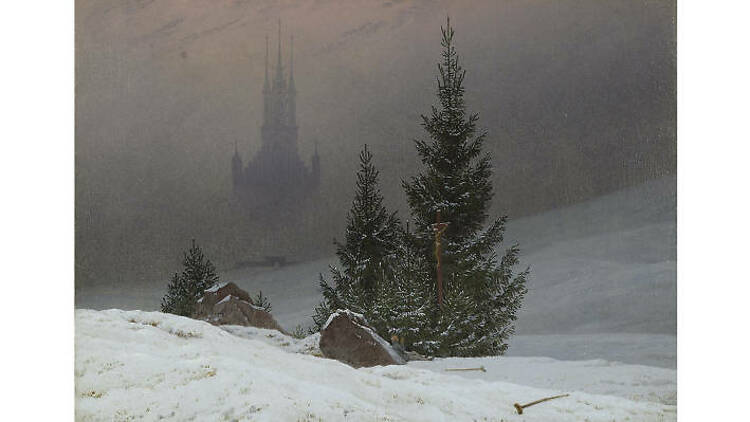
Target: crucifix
x,y
439,228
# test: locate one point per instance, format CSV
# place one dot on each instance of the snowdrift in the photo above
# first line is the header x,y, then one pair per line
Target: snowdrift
x,y
152,366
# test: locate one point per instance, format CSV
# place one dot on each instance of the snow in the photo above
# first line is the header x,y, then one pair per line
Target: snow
x,y
308,345
352,315
598,376
150,366
215,288
635,348
603,281
385,345
603,266
227,298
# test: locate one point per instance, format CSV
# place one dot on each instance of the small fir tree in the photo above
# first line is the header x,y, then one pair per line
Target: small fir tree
x,y
299,332
372,235
262,302
186,287
482,294
178,299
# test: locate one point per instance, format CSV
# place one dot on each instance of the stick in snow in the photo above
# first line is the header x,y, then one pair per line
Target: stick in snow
x,y
481,368
520,408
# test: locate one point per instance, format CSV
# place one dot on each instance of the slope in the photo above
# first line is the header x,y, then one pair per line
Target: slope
x,y
152,366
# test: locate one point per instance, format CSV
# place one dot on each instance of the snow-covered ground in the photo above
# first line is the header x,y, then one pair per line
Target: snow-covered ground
x,y
603,283
602,266
134,365
642,349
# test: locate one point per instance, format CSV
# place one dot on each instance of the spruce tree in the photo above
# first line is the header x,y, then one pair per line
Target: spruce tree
x,y
262,302
404,301
186,287
178,299
482,293
372,235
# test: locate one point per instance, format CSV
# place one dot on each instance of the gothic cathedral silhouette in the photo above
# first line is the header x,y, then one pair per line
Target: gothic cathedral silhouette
x,y
276,178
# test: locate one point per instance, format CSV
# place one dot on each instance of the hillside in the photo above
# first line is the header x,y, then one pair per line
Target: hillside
x,y
603,280
153,366
604,265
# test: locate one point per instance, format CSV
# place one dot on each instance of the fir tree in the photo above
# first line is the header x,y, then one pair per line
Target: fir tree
x,y
371,231
372,235
186,287
482,294
262,302
404,304
178,299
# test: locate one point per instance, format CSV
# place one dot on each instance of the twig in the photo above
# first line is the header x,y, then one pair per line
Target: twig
x,y
481,368
519,408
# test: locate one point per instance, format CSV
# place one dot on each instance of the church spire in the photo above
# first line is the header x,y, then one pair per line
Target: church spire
x,y
276,176
291,66
237,175
279,78
265,81
291,92
315,166
267,106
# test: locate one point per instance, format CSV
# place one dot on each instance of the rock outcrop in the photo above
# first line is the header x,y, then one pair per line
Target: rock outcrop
x,y
347,337
227,304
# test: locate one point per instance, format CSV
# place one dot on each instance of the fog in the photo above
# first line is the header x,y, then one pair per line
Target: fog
x,y
577,96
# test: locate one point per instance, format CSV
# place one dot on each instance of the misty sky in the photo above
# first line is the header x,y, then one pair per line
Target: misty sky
x,y
578,98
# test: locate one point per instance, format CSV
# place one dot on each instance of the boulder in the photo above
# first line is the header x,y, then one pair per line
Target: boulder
x,y
227,304
347,337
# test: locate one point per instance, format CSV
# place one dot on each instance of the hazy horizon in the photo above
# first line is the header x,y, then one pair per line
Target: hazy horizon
x,y
578,98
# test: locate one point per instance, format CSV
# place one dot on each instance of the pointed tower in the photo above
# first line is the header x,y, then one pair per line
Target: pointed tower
x,y
315,167
277,97
266,91
291,91
236,169
276,177
279,84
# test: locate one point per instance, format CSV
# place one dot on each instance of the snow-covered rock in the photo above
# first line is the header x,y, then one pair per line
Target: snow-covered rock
x,y
227,304
347,337
134,365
